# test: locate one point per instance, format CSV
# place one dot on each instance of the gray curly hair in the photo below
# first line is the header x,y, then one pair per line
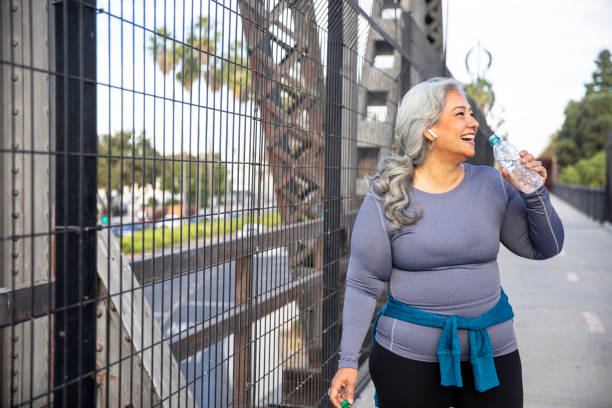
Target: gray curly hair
x,y
420,109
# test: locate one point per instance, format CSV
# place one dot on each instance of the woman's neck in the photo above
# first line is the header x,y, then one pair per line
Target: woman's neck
x,y
438,176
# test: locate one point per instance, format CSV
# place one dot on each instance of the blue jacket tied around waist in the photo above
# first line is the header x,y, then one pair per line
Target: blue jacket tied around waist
x,y
449,352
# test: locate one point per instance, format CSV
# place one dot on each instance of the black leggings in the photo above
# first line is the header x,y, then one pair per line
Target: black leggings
x,y
403,383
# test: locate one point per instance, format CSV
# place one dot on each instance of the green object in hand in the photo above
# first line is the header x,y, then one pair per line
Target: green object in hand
x,y
345,404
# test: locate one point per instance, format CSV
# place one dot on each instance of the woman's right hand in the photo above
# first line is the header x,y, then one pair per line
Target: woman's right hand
x,y
345,380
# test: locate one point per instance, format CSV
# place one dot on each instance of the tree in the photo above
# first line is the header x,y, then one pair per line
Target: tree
x,y
583,132
198,59
602,77
481,91
588,172
177,173
214,178
126,160
550,149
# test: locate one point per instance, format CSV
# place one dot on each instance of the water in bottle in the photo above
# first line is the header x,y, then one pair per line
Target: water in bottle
x,y
508,156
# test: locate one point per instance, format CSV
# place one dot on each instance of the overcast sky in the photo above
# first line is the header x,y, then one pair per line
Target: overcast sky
x,y
543,53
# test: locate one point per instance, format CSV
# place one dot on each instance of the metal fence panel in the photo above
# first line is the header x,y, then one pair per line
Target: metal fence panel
x,y
179,183
591,201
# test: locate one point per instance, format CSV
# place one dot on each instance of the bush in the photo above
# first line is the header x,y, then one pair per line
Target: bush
x,y
586,172
143,241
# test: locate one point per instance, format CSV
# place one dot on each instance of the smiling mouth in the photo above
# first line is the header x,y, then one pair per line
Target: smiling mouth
x,y
468,138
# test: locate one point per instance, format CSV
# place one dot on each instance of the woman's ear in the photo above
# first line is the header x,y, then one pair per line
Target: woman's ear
x,y
430,134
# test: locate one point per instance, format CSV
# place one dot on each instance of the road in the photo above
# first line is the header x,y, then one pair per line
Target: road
x,y
185,302
563,318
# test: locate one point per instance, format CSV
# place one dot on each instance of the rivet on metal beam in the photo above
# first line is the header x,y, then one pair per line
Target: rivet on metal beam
x,y
14,7
15,111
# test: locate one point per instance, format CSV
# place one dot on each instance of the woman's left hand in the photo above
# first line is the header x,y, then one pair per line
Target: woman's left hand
x,y
529,162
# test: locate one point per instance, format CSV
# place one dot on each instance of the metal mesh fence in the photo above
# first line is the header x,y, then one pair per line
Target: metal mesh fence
x,y
179,183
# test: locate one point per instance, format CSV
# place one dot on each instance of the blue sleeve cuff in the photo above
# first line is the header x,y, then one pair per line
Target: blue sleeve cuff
x,y
541,192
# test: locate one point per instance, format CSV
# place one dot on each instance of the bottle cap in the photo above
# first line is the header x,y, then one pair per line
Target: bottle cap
x,y
345,404
493,139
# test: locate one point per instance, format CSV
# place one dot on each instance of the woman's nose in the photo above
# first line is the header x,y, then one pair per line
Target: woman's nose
x,y
474,123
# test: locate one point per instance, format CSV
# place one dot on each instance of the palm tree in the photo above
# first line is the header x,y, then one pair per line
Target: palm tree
x,y
196,59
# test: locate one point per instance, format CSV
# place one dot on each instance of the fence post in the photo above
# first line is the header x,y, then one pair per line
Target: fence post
x,y
608,149
75,203
332,200
242,334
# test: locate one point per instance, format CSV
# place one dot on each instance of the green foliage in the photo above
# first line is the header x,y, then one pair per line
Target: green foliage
x,y
482,93
146,240
578,145
126,160
199,59
584,130
213,174
550,150
602,77
588,172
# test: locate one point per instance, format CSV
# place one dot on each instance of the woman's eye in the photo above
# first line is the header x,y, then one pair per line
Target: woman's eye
x,y
460,113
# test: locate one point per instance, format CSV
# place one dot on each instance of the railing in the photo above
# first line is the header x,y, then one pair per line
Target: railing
x,y
590,200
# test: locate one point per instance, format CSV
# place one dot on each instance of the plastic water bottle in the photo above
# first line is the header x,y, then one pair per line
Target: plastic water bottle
x,y
508,156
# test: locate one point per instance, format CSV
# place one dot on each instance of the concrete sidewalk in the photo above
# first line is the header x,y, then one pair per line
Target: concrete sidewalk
x,y
563,321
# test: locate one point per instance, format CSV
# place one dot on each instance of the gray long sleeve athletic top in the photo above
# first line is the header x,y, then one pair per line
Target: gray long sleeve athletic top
x,y
446,263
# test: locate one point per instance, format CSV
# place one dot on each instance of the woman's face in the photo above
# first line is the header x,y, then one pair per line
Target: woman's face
x,y
456,128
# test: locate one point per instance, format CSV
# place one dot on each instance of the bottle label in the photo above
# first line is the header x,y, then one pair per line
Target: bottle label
x,y
494,139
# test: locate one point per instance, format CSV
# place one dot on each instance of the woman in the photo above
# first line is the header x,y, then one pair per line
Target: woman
x,y
429,232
